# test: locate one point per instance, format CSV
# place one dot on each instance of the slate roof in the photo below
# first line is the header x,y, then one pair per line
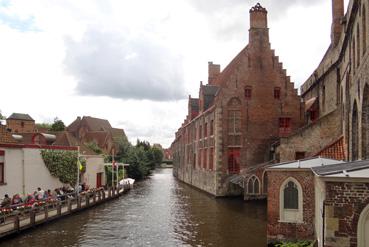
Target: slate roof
x,y
306,163
209,92
357,169
21,116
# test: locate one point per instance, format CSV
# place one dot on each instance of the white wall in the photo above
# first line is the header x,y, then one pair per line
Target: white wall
x,y
319,199
94,165
25,177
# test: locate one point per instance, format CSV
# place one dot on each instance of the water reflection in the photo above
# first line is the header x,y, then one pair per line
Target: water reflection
x,y
159,212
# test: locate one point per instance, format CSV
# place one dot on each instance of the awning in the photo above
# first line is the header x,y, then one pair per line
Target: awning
x,y
310,103
237,179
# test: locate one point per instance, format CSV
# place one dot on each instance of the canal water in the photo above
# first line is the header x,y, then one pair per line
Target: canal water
x,y
159,211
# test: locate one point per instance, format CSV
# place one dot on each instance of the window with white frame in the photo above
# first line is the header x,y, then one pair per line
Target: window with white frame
x,y
290,199
253,186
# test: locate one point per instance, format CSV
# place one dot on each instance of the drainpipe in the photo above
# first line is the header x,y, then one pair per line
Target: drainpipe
x,y
23,174
323,230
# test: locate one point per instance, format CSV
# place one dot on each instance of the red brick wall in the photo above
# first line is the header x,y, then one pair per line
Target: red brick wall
x,y
344,204
289,231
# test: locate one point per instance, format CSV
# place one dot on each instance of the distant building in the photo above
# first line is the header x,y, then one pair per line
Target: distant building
x,y
21,123
238,118
98,131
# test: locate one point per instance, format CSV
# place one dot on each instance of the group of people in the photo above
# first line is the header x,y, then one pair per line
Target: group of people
x,y
37,196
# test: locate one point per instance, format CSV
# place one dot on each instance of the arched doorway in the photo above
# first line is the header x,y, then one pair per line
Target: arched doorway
x,y
363,228
354,133
365,124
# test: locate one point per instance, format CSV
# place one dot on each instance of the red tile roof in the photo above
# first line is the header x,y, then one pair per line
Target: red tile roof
x,y
335,150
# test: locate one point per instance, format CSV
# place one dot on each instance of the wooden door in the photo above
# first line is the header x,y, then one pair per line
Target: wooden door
x,y
99,180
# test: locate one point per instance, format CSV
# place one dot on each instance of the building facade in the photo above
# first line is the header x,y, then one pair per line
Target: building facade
x,y
336,95
239,115
21,123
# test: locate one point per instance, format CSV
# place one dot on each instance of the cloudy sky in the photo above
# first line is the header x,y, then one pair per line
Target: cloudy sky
x,y
135,62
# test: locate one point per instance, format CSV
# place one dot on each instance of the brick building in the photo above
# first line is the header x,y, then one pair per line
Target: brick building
x,y
336,98
239,115
98,131
336,95
319,199
21,123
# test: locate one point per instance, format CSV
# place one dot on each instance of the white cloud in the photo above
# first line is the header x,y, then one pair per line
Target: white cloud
x,y
109,41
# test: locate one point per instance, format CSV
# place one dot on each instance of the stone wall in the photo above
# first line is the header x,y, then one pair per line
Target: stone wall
x,y
344,204
277,230
312,138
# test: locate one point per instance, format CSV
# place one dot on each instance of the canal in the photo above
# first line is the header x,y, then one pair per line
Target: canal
x,y
159,211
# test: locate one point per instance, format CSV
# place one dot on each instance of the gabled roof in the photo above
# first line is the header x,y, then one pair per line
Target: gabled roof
x,y
21,116
305,163
97,124
67,139
355,169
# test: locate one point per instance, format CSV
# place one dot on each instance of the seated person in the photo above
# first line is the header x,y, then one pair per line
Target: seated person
x,y
6,201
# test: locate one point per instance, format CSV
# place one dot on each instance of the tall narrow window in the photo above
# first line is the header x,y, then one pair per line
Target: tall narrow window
x,y
2,155
291,196
277,93
284,126
212,127
200,132
358,44
353,62
205,158
206,130
248,92
199,158
253,186
234,160
211,159
364,29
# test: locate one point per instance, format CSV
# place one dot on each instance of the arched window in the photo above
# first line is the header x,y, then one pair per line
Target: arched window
x,y
363,228
291,196
253,186
355,135
358,44
364,29
290,200
365,124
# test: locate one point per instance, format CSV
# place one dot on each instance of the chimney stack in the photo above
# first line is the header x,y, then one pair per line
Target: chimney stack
x,y
213,72
337,15
259,32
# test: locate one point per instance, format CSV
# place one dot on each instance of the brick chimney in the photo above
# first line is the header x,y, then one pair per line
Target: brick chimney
x,y
259,32
213,72
337,15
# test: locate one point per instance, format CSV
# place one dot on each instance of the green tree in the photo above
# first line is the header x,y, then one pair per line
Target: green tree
x,y
43,126
58,125
94,147
158,155
2,117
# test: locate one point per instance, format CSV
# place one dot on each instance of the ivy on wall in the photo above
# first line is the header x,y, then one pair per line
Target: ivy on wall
x,y
62,164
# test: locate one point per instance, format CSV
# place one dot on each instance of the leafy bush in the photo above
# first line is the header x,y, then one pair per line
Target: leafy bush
x,y
62,164
295,244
